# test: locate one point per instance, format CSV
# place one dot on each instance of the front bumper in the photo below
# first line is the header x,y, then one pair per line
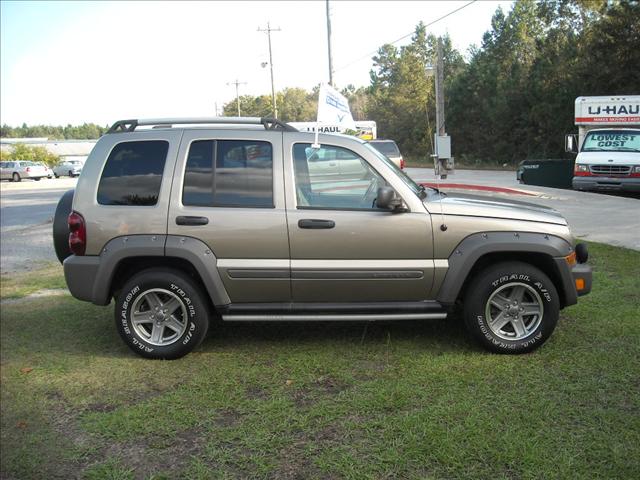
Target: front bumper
x,y
617,184
576,280
582,278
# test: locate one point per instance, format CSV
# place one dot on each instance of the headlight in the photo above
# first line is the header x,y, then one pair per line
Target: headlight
x,y
581,168
635,169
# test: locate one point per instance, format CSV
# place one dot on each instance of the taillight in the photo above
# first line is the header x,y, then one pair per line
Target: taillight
x,y
581,170
402,163
77,233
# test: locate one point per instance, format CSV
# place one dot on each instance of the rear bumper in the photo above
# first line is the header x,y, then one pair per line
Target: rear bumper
x,y
619,184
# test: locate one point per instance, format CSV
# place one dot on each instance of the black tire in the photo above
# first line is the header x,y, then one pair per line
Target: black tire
x,y
61,227
70,174
171,288
56,175
37,179
16,177
492,298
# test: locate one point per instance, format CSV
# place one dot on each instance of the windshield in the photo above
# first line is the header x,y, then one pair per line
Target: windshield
x,y
417,189
390,149
612,141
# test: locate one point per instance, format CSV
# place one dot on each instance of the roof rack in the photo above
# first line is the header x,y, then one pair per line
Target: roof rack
x,y
268,123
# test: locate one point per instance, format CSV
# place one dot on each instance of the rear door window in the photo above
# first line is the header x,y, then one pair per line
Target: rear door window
x,y
229,173
133,173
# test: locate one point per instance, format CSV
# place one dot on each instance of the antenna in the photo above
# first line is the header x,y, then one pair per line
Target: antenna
x,y
440,127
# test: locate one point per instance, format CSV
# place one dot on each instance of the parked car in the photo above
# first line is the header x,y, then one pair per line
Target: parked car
x,y
230,219
46,168
15,171
72,168
390,149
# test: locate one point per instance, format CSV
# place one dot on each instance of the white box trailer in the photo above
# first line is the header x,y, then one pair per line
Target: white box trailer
x,y
365,129
607,143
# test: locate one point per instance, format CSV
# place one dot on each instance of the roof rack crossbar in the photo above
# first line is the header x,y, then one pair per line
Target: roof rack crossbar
x,y
268,123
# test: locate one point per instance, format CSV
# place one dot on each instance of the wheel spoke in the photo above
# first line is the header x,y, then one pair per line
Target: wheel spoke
x,y
141,317
171,306
156,333
517,293
530,309
518,326
500,321
174,324
153,300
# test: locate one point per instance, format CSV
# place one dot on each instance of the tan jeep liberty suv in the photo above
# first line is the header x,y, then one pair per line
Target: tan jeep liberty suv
x,y
179,220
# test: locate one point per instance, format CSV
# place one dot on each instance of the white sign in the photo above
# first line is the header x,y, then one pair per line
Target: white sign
x,y
333,108
623,110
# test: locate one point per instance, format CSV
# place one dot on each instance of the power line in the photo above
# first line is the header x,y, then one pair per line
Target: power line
x,y
237,84
268,31
405,36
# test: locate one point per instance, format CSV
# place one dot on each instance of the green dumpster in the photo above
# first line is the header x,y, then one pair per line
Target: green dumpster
x,y
555,173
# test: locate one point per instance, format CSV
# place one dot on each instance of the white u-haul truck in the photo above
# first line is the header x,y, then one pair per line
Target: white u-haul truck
x,y
607,144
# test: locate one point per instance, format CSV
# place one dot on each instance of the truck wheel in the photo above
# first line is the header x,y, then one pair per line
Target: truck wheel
x,y
161,313
511,307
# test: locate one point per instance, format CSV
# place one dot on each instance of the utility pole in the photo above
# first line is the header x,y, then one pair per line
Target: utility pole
x,y
440,126
329,45
237,83
268,30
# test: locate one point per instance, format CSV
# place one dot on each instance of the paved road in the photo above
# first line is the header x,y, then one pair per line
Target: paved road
x,y
26,212
611,219
27,208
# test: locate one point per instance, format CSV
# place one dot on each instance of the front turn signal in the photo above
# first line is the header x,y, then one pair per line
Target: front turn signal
x,y
571,259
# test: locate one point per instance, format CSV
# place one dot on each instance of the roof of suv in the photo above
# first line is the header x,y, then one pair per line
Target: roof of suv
x,y
268,123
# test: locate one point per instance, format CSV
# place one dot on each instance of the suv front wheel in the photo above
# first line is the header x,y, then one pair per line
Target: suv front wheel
x,y
161,314
511,307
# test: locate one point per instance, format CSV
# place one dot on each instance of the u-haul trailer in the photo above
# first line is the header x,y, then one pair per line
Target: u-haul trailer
x,y
366,129
607,143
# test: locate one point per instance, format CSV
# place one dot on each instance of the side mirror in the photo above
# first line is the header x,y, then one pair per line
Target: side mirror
x,y
386,199
570,143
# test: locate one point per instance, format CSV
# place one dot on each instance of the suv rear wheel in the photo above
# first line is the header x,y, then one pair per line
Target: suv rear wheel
x,y
511,307
161,314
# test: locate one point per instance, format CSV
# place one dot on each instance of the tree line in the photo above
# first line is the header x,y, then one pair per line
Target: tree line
x,y
512,98
86,131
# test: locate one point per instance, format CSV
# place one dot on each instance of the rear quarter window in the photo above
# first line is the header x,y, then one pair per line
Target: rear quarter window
x,y
132,174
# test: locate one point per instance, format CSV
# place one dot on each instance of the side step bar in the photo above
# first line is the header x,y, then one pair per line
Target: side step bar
x,y
354,317
309,312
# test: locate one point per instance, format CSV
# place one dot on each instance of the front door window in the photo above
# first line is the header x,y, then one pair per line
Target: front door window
x,y
333,177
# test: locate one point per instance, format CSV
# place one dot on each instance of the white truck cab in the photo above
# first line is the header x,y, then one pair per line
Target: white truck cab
x,y
607,144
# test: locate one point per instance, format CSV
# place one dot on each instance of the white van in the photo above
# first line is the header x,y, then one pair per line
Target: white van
x,y
607,144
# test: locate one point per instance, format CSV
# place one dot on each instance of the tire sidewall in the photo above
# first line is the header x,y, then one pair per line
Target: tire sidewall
x,y
187,292
493,279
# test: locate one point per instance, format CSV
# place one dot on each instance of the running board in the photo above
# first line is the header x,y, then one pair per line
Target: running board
x,y
306,311
354,317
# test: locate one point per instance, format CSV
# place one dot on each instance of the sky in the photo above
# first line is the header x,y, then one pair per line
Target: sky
x,y
74,62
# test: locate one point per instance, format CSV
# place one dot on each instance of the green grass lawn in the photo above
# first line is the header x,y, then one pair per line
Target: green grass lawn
x,y
394,400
